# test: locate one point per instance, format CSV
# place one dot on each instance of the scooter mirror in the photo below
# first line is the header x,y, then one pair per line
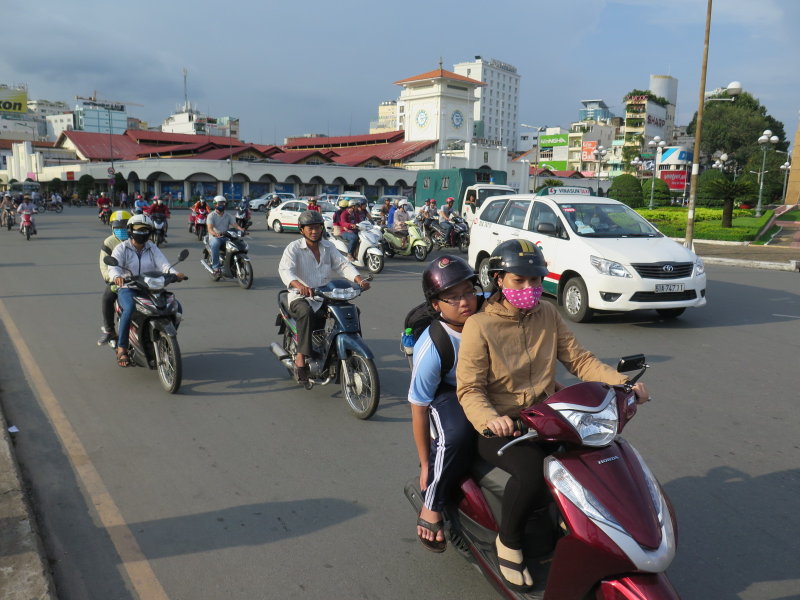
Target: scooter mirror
x,y
110,261
631,363
183,255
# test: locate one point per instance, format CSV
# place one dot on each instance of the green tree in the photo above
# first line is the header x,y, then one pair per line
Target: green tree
x,y
85,185
55,185
705,195
120,183
549,183
734,127
627,189
661,195
728,191
773,178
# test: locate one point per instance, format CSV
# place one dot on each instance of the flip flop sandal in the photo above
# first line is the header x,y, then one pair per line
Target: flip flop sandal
x,y
518,568
432,545
123,360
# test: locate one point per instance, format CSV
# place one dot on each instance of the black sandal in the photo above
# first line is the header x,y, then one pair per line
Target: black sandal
x,y
432,545
123,360
518,568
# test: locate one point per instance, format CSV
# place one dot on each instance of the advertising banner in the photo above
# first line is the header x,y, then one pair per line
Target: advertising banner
x,y
13,101
559,139
587,148
675,180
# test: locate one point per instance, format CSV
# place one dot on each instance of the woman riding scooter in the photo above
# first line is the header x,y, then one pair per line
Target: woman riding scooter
x,y
507,362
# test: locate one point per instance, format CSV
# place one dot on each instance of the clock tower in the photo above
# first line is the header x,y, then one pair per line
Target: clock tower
x,y
438,105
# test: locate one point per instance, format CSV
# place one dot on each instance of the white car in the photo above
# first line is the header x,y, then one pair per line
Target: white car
x,y
601,254
284,216
262,202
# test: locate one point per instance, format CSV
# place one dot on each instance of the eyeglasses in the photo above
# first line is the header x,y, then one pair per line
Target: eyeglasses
x,y
456,300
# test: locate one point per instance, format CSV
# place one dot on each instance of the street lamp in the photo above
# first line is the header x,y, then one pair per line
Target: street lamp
x,y
538,149
658,144
599,153
785,168
766,138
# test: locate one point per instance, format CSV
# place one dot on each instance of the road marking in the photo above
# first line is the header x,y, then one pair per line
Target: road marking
x,y
787,316
140,573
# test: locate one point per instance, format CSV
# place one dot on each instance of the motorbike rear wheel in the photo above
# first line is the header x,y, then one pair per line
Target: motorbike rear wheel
x,y
57,207
244,273
290,346
170,368
360,385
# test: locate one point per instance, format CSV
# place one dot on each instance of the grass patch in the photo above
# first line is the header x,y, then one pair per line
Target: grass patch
x,y
768,235
792,215
671,221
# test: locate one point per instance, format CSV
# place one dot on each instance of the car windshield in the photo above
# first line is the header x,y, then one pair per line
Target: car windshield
x,y
483,194
606,220
326,206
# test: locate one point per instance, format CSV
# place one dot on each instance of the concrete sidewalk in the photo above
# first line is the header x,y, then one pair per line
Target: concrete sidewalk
x,y
24,574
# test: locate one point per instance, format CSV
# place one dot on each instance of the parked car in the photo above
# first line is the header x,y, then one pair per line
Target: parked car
x,y
262,202
284,216
602,255
375,209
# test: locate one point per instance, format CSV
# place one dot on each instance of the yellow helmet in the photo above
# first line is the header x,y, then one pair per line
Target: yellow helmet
x,y
119,219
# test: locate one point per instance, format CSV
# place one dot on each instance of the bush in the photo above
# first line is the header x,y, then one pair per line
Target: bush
x,y
661,195
85,185
626,189
707,223
706,196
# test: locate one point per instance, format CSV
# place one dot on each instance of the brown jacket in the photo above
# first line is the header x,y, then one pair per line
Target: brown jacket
x,y
507,360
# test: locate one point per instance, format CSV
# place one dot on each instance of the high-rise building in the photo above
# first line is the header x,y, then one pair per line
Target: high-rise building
x,y
496,113
594,110
666,86
187,119
387,118
100,117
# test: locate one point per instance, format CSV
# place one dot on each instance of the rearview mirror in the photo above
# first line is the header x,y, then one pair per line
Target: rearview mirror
x,y
110,261
635,362
182,256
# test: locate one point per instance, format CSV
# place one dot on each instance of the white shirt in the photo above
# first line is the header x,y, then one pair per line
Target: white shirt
x,y
150,259
298,262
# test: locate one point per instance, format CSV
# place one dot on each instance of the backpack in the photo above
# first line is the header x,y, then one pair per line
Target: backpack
x,y
419,319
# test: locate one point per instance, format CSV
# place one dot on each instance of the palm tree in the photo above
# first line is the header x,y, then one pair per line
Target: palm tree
x,y
728,191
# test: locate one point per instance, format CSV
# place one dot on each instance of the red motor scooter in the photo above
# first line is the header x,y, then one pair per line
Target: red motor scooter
x,y
199,223
610,532
26,226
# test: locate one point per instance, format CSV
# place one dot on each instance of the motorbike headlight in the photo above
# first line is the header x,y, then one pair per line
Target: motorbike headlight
x,y
342,294
229,245
595,428
609,267
699,267
154,283
565,483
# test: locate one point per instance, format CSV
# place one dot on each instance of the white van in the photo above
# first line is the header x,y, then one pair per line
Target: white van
x,y
602,255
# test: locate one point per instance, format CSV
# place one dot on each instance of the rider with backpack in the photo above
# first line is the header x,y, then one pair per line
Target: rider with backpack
x,y
450,298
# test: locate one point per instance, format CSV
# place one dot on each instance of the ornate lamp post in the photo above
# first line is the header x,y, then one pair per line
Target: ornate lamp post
x,y
785,167
599,154
766,138
658,145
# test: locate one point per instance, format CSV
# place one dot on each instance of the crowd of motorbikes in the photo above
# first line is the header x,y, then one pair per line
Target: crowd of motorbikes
x,y
609,531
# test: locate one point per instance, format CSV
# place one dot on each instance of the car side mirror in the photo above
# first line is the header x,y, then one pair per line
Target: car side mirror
x,y
548,228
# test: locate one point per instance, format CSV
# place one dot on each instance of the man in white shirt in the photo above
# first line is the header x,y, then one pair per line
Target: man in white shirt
x,y
308,263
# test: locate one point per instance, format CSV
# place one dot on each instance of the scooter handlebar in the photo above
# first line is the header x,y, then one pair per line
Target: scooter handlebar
x,y
518,426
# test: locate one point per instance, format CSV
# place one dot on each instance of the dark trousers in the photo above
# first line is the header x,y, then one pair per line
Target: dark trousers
x,y
525,490
305,318
109,298
452,450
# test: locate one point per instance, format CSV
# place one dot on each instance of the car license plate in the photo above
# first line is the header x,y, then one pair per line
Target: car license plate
x,y
662,288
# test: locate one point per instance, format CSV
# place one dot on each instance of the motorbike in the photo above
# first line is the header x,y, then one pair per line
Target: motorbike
x,y
233,259
454,236
369,248
54,206
339,352
153,333
243,219
105,213
199,223
416,244
9,220
610,532
27,228
159,226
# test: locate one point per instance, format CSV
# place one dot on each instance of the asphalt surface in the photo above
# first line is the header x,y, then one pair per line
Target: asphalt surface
x,y
25,571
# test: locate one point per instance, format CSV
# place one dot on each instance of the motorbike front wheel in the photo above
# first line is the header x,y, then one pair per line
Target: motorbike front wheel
x,y
420,252
27,233
360,385
201,231
58,208
244,273
375,263
463,243
170,368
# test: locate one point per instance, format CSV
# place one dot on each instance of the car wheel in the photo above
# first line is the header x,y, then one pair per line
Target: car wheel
x,y
576,301
276,226
484,278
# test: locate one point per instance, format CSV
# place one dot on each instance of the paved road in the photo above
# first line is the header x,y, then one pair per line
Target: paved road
x,y
243,486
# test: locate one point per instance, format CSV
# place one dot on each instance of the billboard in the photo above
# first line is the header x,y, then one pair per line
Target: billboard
x,y
675,180
558,139
587,148
13,100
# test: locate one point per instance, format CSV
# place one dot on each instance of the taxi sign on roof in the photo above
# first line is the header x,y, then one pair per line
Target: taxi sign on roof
x,y
549,191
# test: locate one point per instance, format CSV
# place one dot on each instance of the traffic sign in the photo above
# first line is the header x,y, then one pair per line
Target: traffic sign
x,y
111,170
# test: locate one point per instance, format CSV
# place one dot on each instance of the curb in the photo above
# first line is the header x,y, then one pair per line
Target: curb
x,y
791,265
23,572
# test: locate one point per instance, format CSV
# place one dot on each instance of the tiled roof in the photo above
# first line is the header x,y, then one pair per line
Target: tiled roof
x,y
540,171
160,137
439,74
102,146
386,153
224,153
568,174
347,140
295,156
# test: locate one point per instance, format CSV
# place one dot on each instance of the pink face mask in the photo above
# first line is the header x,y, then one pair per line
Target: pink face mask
x,y
524,299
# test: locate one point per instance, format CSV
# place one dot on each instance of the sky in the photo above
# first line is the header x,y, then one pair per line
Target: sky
x,y
286,68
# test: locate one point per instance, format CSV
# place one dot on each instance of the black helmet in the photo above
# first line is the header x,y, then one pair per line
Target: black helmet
x,y
310,217
519,257
444,273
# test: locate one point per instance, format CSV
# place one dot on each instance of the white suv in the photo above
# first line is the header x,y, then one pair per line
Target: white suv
x,y
601,254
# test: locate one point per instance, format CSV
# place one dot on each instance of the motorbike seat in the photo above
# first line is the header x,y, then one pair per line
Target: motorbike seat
x,y
399,232
493,481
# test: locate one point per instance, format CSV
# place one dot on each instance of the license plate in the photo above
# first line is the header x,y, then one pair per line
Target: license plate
x,y
662,288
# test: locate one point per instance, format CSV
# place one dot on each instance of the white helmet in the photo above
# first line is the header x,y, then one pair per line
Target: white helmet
x,y
140,220
218,199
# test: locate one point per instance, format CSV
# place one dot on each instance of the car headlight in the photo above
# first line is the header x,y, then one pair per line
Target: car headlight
x,y
154,283
699,267
565,483
609,267
595,428
342,293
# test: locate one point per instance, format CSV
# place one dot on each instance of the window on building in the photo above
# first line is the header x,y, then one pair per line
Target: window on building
x,y
445,183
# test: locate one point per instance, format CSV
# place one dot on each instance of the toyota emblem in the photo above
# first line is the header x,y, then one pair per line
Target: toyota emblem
x,y
668,268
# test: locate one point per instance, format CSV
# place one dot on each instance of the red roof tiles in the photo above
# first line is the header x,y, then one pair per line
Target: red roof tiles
x,y
439,74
